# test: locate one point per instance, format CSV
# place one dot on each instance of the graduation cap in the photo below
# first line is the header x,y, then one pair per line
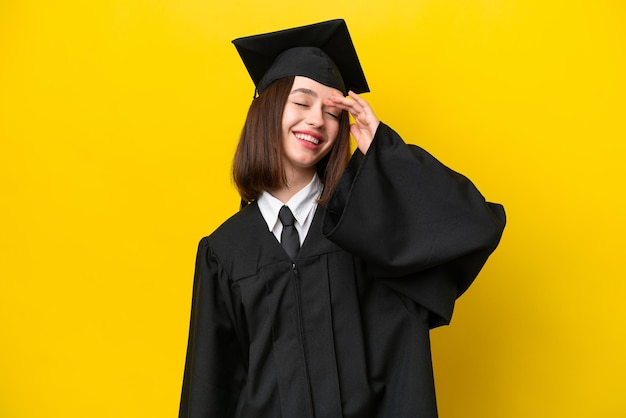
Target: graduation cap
x,y
322,51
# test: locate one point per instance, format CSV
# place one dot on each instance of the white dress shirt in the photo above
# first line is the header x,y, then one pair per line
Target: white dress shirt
x,y
302,205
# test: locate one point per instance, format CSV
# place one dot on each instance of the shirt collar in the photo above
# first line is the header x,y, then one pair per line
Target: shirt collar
x,y
302,204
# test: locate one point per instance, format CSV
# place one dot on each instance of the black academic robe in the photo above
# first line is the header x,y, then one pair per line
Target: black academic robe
x,y
343,330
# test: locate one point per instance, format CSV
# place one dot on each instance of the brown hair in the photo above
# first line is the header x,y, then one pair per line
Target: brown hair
x,y
258,164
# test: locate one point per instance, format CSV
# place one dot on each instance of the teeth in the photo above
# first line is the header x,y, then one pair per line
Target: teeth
x,y
308,138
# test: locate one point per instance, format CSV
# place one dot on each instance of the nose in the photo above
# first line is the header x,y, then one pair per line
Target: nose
x,y
315,116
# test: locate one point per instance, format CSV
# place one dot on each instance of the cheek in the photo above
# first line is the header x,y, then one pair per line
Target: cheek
x,y
289,117
333,133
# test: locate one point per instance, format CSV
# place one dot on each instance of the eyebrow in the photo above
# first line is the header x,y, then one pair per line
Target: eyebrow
x,y
305,91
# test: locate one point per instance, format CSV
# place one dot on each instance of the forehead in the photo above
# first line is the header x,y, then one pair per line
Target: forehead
x,y
309,86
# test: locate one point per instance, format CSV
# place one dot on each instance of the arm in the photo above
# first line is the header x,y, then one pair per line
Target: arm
x,y
214,369
400,208
422,228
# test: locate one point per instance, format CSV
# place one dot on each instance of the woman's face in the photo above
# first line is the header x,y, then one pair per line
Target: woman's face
x,y
309,127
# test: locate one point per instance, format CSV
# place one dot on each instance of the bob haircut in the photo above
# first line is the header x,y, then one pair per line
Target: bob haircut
x,y
258,163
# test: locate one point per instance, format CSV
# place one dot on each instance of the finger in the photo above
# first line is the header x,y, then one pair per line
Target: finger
x,y
357,107
341,101
355,131
366,115
346,104
358,99
363,140
360,105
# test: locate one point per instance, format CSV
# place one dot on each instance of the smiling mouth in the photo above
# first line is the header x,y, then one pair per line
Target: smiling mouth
x,y
307,138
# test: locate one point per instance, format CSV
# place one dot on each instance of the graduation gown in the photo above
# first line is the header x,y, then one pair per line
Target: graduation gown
x,y
343,330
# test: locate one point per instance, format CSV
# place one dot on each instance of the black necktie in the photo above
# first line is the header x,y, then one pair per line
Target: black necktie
x,y
289,237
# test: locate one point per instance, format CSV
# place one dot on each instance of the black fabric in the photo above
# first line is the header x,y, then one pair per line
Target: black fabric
x,y
289,237
342,331
322,51
304,61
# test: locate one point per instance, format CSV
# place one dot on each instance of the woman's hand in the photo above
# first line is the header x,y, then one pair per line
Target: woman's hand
x,y
365,120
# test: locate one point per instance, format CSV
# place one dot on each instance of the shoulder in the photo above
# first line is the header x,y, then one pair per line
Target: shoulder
x,y
237,228
238,239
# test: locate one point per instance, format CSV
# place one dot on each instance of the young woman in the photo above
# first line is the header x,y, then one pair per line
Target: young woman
x,y
324,309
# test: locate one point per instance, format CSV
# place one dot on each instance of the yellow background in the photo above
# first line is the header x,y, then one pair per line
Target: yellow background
x,y
118,120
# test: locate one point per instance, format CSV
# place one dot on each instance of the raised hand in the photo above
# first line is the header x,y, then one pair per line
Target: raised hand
x,y
365,120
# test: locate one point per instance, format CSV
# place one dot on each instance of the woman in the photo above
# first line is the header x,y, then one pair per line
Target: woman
x,y
328,314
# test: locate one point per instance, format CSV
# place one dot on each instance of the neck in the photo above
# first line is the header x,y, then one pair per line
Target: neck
x,y
296,181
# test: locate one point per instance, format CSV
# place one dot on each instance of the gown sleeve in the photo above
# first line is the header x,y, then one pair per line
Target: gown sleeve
x,y
420,227
214,369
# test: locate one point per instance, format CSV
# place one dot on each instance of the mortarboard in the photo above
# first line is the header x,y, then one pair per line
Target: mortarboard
x,y
322,51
